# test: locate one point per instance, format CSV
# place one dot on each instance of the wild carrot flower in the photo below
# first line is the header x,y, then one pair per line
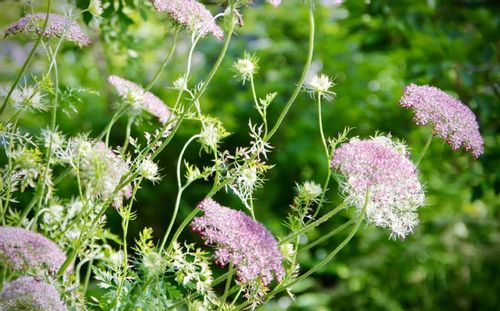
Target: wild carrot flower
x,y
452,121
383,168
241,241
29,293
191,14
140,100
57,26
21,250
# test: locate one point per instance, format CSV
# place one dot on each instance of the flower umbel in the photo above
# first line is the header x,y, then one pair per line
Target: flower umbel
x,y
240,240
57,26
29,293
192,14
382,167
21,250
452,121
139,99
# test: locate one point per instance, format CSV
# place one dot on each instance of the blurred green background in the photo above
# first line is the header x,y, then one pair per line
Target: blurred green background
x,y
372,49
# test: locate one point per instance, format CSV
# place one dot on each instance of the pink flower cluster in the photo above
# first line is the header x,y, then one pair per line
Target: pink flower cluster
x,y
21,250
274,2
57,26
191,14
240,240
382,168
144,100
452,121
29,293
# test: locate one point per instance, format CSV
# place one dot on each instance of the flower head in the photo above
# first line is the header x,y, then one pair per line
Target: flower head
x,y
192,14
274,2
452,121
29,293
133,93
245,67
240,240
382,168
101,169
57,26
309,191
21,250
320,85
149,170
27,98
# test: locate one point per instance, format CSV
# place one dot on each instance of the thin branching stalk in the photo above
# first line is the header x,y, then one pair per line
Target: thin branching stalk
x,y
226,288
424,150
302,79
320,123
321,264
30,57
181,189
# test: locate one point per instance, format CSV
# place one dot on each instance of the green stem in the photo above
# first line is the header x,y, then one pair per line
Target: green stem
x,y
28,60
302,78
326,237
314,224
53,124
323,193
320,122
165,61
125,223
226,289
424,151
256,101
202,90
320,265
87,276
183,225
127,135
179,192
